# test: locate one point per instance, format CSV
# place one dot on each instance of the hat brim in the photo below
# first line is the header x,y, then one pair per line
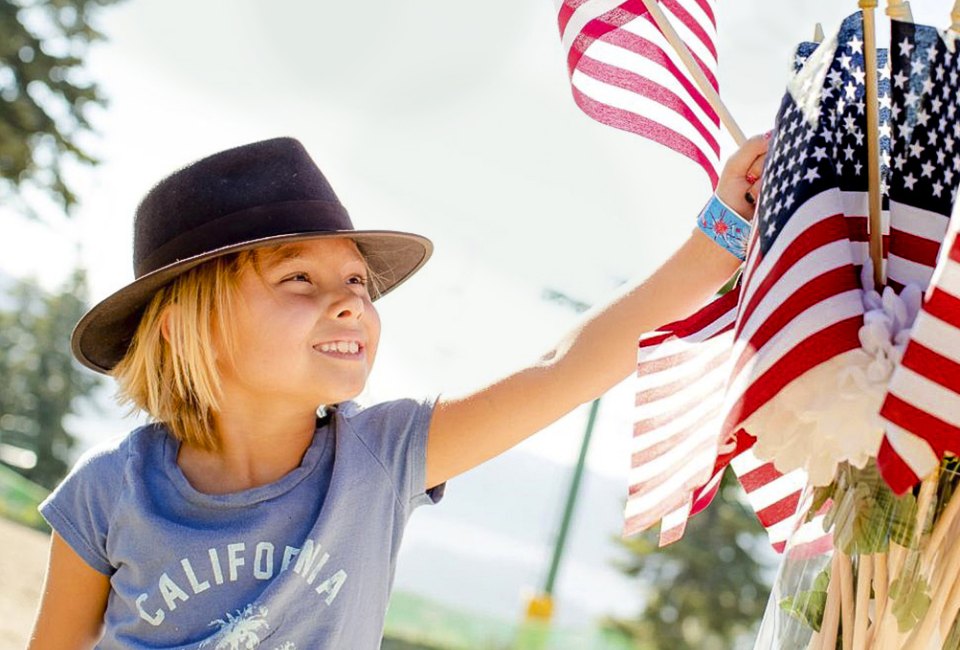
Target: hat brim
x,y
101,338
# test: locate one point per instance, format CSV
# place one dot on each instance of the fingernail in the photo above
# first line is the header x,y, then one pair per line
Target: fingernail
x,y
768,134
752,179
749,198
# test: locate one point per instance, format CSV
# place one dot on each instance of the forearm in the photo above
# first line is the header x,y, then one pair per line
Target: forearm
x,y
601,351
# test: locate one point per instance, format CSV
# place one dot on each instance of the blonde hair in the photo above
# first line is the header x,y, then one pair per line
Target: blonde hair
x,y
170,370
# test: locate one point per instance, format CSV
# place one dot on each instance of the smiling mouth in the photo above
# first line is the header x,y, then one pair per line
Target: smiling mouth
x,y
348,348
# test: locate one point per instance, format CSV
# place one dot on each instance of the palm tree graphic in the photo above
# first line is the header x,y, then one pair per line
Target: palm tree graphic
x,y
241,631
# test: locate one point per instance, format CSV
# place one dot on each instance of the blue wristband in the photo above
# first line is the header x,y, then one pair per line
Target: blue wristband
x,y
723,225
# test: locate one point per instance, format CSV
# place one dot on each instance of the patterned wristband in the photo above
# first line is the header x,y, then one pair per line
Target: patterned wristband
x,y
723,225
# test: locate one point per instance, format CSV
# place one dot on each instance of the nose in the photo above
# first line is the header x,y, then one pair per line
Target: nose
x,y
346,305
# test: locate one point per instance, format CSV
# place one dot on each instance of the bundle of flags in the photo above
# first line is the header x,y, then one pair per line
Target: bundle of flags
x,y
798,302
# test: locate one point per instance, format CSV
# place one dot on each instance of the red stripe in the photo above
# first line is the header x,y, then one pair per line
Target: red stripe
x,y
944,306
709,314
655,53
779,511
955,250
932,365
594,29
824,232
814,292
648,128
914,248
639,85
895,471
759,477
691,23
702,499
693,375
820,347
942,436
642,427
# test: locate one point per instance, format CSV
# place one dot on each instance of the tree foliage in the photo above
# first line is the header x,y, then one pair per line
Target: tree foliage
x,y
707,591
42,383
45,95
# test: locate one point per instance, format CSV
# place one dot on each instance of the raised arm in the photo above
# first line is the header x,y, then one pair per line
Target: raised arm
x,y
74,600
596,354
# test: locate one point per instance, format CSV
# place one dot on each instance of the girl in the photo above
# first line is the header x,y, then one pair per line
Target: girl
x,y
245,517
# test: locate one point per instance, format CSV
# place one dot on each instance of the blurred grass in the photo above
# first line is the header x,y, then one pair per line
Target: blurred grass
x,y
19,499
416,623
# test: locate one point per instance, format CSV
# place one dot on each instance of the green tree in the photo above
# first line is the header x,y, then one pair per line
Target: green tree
x,y
707,591
42,383
45,96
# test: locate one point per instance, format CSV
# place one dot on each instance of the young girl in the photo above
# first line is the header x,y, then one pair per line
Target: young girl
x,y
245,517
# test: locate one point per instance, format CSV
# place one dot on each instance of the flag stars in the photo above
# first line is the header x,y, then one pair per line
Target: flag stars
x,y
916,67
900,80
859,75
923,117
916,149
811,175
937,189
851,90
912,99
909,181
928,168
928,86
932,138
858,168
906,47
856,45
845,61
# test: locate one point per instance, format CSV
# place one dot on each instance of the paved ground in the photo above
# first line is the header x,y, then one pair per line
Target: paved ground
x,y
23,556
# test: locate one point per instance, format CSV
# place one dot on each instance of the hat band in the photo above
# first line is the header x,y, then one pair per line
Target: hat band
x,y
250,225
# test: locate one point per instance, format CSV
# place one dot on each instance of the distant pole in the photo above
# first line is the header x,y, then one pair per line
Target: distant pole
x,y
540,607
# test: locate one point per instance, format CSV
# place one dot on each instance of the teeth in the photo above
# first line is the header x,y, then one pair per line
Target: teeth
x,y
343,347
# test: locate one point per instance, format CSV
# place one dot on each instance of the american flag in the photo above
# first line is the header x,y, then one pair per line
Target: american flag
x,y
922,408
677,460
799,302
625,74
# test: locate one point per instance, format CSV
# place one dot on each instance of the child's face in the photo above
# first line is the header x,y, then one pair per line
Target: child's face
x,y
306,329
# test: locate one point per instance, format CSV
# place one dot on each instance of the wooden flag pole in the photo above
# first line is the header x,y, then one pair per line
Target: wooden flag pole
x,y
663,24
873,138
900,10
818,33
956,17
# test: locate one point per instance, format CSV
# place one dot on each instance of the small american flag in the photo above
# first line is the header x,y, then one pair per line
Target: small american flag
x,y
625,74
922,408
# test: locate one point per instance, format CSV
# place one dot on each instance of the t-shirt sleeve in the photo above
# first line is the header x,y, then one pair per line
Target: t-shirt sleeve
x,y
396,432
80,508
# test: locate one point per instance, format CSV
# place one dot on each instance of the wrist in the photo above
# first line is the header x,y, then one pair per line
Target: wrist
x,y
722,225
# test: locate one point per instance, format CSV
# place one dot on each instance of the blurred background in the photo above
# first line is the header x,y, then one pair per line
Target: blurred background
x,y
449,119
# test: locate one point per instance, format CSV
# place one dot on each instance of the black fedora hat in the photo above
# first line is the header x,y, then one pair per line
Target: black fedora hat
x,y
264,193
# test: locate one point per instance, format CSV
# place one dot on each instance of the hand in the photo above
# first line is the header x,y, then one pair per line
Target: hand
x,y
742,176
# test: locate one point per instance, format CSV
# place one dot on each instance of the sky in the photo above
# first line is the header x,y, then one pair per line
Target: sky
x,y
449,119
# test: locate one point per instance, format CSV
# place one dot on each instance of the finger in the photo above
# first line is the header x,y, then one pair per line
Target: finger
x,y
755,190
750,150
755,171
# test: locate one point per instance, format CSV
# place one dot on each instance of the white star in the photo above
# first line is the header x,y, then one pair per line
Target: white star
x,y
951,110
788,202
909,181
956,164
858,167
949,142
932,138
851,123
859,136
859,75
941,156
820,153
895,112
912,98
886,102
811,175
839,168
861,107
845,61
936,105
923,117
916,67
899,161
928,86
849,152
772,228
940,70
916,149
835,78
851,90
885,72
841,105
856,45
937,189
906,47
932,54
901,79
886,131
928,168
948,176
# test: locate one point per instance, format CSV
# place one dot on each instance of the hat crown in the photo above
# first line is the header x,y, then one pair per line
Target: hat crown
x,y
212,195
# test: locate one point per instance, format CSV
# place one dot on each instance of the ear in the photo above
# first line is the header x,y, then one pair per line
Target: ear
x,y
170,312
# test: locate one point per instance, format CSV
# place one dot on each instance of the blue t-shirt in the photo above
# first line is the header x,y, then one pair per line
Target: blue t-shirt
x,y
303,563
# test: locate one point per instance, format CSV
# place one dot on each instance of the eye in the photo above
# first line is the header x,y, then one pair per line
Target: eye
x,y
358,279
297,277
